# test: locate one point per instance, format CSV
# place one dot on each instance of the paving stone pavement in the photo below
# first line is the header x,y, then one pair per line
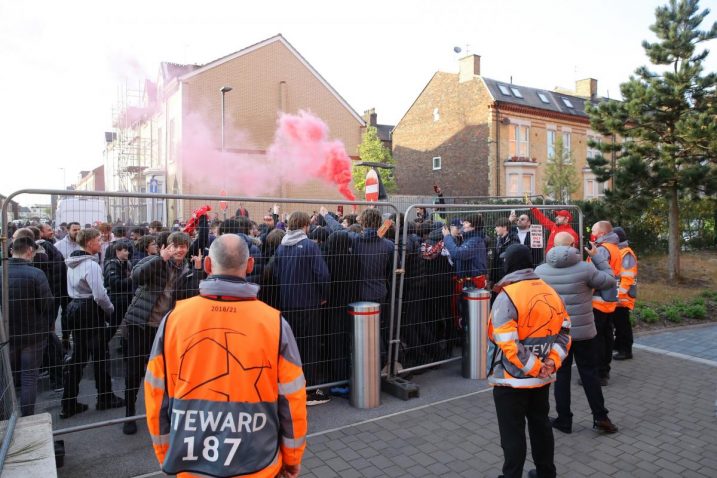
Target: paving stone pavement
x,y
698,341
663,406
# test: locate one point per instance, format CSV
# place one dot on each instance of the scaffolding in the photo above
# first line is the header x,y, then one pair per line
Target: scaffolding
x,y
129,149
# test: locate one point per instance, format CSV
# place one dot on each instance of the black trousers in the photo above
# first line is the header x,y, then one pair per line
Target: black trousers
x,y
605,339
139,345
623,330
86,321
585,354
513,406
307,325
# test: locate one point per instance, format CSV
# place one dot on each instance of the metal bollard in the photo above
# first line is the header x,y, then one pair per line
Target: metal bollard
x,y
475,344
365,354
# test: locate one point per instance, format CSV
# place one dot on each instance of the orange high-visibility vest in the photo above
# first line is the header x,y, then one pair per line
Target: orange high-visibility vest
x,y
615,264
627,288
522,347
220,395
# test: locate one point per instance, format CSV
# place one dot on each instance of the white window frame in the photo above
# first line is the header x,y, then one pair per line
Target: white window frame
x,y
543,97
437,163
504,89
550,145
521,170
592,188
436,115
515,144
567,143
567,102
593,152
516,92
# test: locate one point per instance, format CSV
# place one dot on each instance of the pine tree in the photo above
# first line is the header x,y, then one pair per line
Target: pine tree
x,y
560,178
372,150
666,122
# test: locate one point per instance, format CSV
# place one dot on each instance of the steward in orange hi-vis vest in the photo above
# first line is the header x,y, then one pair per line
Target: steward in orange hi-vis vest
x,y
626,295
224,390
528,325
531,332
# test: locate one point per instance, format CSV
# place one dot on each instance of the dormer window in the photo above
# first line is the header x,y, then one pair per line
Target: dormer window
x,y
543,97
504,89
567,102
516,92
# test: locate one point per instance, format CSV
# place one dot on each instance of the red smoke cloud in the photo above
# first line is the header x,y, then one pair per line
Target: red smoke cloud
x,y
302,143
301,151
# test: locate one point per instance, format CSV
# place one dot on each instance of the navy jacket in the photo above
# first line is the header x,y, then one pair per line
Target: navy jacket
x,y
32,305
471,257
375,259
301,272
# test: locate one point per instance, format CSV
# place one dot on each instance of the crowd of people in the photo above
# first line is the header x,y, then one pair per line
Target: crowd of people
x,y
106,280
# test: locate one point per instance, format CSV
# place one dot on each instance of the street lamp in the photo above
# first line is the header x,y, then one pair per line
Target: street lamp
x,y
224,90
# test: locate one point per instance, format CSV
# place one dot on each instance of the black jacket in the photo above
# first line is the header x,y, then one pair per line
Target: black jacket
x,y
501,244
118,282
32,305
52,263
150,276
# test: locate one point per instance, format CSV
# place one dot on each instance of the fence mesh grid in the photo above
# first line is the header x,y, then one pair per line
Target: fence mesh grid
x,y
88,344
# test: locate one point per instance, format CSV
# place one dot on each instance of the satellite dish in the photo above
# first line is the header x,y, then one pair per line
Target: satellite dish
x,y
457,49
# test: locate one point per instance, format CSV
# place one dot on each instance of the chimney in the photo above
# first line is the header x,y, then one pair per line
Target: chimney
x,y
468,68
370,117
586,88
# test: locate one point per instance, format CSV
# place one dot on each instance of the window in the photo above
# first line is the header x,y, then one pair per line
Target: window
x,y
543,98
521,183
566,145
593,152
592,187
516,92
504,89
436,163
436,115
567,102
519,141
160,150
551,144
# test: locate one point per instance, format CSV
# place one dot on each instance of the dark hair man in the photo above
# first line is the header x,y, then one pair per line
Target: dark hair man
x,y
31,314
531,331
565,271
605,301
626,295
522,232
223,344
68,245
161,281
304,281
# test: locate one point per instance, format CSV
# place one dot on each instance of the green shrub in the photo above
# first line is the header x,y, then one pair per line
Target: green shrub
x,y
673,313
647,315
696,311
698,301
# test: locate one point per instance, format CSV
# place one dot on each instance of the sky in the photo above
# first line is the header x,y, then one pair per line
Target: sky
x,y
63,62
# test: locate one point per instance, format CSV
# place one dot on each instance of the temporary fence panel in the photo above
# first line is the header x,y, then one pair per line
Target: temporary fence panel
x,y
312,291
429,327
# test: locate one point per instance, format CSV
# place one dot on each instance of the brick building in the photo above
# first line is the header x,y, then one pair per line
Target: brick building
x,y
477,136
153,134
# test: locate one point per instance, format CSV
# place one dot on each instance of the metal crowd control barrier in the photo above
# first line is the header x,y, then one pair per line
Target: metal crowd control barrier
x,y
365,354
335,370
475,348
435,304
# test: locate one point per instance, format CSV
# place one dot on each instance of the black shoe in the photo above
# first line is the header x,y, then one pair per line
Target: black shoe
x,y
533,474
112,402
622,356
129,428
603,382
561,425
72,409
605,426
317,397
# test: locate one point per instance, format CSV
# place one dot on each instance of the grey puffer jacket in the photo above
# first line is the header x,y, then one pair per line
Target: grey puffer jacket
x,y
565,271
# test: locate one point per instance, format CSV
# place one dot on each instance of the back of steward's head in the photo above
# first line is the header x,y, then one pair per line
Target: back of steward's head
x,y
229,255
